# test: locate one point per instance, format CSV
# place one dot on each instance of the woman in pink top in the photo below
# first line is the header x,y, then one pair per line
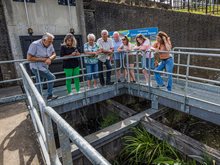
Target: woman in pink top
x,y
163,43
125,47
143,44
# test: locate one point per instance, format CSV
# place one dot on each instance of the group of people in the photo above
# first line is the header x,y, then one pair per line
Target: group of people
x,y
98,53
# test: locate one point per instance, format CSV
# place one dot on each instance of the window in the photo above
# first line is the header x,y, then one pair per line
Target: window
x,y
32,1
65,2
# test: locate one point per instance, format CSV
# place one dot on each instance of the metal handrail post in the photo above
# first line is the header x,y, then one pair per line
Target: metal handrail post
x,y
83,76
187,81
128,67
178,67
149,76
51,141
94,156
116,71
138,74
40,83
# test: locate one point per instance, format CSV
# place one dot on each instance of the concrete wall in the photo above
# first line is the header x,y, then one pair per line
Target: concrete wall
x,y
6,71
185,29
44,15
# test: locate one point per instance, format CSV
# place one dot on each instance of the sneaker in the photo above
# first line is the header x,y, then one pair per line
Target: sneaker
x,y
150,84
102,84
52,97
161,86
109,83
71,93
95,87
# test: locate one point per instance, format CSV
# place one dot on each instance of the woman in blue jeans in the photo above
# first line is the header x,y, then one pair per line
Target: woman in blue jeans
x,y
91,48
163,43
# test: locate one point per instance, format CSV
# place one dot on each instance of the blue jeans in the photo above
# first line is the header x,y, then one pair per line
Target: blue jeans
x,y
91,68
108,73
40,78
145,63
168,64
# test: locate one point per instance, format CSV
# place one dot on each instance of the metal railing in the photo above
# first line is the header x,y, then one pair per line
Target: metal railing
x,y
40,112
42,115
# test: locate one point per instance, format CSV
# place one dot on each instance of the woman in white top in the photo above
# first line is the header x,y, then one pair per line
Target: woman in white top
x,y
143,44
126,47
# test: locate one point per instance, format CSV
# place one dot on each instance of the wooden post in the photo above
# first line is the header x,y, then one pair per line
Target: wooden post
x,y
180,141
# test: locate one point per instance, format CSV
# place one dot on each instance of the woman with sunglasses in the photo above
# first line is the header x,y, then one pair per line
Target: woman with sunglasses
x,y
143,44
126,47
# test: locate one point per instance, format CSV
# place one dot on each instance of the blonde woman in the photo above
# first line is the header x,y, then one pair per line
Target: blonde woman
x,y
70,66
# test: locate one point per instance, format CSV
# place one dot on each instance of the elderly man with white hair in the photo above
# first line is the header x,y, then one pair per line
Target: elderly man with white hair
x,y
106,48
91,48
41,53
117,55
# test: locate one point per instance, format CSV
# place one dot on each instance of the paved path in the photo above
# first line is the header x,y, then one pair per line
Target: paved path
x,y
18,142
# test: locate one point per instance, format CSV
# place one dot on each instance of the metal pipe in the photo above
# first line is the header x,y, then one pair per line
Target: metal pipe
x,y
83,75
65,78
70,17
187,77
199,67
36,116
203,49
178,67
26,11
94,156
31,85
44,149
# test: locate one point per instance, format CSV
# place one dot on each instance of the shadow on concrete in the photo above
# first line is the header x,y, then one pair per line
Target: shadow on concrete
x,y
9,110
23,140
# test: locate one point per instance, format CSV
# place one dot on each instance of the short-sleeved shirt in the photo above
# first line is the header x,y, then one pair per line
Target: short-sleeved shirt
x,y
72,62
106,45
147,44
116,45
37,49
89,48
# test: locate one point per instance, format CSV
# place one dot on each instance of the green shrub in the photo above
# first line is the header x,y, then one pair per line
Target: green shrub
x,y
143,148
110,119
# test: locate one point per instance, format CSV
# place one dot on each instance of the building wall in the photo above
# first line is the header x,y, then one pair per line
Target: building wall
x,y
44,16
6,71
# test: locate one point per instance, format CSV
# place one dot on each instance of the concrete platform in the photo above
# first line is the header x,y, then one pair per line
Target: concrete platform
x,y
18,142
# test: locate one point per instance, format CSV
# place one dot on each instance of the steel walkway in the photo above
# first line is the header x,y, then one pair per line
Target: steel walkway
x,y
202,100
196,96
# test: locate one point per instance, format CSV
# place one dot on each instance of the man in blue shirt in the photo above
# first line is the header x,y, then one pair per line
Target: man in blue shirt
x,y
41,53
117,55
